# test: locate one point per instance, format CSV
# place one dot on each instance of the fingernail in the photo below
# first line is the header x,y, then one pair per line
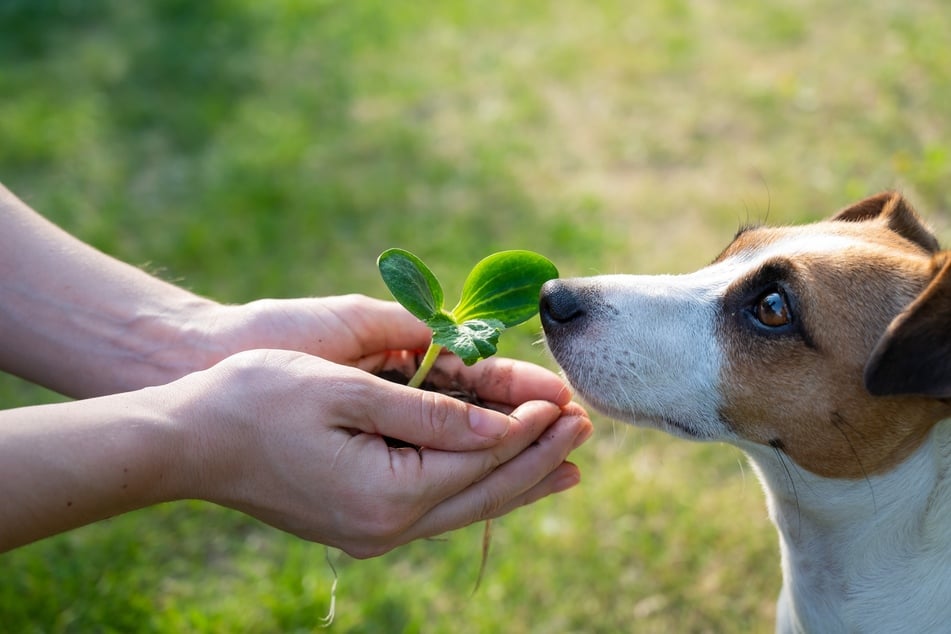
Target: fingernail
x,y
566,482
582,436
487,423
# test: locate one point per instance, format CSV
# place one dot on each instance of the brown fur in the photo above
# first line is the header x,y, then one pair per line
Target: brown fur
x,y
806,395
914,356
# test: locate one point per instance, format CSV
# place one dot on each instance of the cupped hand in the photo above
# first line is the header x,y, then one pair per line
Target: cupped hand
x,y
349,329
373,335
299,442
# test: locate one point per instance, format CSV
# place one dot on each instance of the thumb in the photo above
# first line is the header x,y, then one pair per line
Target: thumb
x,y
435,420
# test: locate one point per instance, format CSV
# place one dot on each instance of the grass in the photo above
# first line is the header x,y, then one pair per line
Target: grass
x,y
253,149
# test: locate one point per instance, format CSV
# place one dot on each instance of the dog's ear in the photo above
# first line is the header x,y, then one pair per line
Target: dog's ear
x,y
897,214
914,354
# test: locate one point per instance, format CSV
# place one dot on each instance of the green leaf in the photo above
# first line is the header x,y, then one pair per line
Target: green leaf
x,y
504,286
472,340
500,292
411,282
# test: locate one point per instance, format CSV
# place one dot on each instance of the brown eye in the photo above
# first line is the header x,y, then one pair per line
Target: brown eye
x,y
772,310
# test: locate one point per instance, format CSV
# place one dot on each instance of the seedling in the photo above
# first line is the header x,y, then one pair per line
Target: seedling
x,y
501,291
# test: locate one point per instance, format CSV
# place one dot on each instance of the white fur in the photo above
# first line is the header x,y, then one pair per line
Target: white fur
x,y
865,555
665,379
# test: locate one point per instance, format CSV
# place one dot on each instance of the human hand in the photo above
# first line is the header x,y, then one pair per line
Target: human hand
x,y
349,329
298,442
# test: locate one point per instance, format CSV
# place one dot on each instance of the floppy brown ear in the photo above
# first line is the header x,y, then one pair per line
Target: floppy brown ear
x,y
897,213
914,354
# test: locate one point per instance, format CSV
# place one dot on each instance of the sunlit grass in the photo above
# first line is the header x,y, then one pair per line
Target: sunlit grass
x,y
253,149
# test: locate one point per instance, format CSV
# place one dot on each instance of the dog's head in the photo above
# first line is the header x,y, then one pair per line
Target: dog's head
x,y
830,342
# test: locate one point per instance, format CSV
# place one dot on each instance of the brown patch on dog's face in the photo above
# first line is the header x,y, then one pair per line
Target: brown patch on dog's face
x,y
773,343
798,330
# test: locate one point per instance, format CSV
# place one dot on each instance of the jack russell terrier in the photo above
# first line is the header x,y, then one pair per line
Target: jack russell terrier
x,y
824,352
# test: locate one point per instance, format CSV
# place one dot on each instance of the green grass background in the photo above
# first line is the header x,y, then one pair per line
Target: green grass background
x,y
248,149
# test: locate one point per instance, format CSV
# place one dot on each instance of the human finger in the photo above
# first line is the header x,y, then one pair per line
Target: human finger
x,y
564,477
426,418
380,324
446,473
502,380
522,479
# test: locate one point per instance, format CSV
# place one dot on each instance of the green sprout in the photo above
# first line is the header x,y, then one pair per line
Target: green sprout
x,y
501,291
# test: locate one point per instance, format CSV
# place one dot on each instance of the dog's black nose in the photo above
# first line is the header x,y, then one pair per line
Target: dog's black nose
x,y
560,303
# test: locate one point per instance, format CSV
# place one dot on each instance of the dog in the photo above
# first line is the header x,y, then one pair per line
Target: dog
x,y
823,351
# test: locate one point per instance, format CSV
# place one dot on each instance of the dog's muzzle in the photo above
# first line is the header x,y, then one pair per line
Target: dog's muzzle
x,y
561,304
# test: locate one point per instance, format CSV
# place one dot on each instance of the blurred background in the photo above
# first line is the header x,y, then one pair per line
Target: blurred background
x,y
246,149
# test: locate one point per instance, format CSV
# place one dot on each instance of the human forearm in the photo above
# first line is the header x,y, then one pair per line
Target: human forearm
x,y
83,323
298,442
66,465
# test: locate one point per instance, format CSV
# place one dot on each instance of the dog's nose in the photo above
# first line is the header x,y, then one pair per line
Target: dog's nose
x,y
559,303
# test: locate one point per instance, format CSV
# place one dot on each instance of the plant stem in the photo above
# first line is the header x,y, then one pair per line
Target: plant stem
x,y
426,365
486,542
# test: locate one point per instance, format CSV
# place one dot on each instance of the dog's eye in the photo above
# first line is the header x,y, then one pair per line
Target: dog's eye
x,y
772,310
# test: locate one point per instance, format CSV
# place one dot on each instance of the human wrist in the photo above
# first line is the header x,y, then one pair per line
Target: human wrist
x,y
155,436
182,409
170,342
216,431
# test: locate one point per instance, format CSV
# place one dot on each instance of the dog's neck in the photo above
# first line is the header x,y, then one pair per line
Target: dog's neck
x,y
863,553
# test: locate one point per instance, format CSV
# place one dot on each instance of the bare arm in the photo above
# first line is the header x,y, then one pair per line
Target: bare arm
x,y
83,323
297,442
66,465
293,439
